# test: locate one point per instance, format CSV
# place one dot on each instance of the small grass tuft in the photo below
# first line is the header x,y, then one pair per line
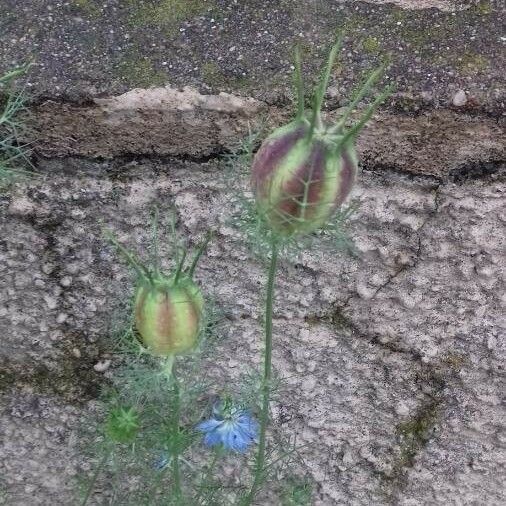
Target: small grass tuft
x,y
139,71
13,156
483,8
472,63
415,433
297,492
371,45
216,78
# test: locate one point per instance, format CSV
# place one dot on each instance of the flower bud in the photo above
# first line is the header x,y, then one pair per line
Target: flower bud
x,y
168,315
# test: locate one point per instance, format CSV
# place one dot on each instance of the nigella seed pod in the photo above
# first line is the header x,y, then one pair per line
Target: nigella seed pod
x,y
168,310
305,170
299,181
168,315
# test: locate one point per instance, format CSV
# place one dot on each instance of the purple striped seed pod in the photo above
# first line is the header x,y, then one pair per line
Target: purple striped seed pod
x,y
305,170
300,179
168,315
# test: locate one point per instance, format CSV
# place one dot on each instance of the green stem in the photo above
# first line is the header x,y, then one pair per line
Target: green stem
x,y
204,486
99,468
266,380
169,371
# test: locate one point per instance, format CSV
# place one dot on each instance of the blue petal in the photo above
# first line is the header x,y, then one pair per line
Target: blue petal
x,y
244,415
209,425
234,438
250,427
229,438
235,433
212,438
246,418
240,444
244,437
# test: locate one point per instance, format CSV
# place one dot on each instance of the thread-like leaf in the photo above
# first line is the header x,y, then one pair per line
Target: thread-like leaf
x,y
353,131
199,253
360,94
322,87
130,257
6,78
155,259
180,266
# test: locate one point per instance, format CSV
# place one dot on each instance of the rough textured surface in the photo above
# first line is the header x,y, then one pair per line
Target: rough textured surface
x,y
85,48
445,5
393,361
159,121
396,356
38,449
164,121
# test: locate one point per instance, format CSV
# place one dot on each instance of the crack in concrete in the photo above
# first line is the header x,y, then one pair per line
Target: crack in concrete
x,y
417,256
414,434
476,171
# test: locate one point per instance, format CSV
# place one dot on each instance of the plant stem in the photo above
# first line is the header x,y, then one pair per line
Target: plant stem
x,y
176,472
266,380
99,468
169,371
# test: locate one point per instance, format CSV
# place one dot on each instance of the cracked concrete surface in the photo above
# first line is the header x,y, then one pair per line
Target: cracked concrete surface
x,y
393,360
370,344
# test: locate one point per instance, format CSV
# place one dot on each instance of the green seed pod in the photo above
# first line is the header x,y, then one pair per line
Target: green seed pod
x,y
300,179
168,315
168,310
305,170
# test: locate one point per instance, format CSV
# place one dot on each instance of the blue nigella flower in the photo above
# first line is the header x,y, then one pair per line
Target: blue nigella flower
x,y
231,426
